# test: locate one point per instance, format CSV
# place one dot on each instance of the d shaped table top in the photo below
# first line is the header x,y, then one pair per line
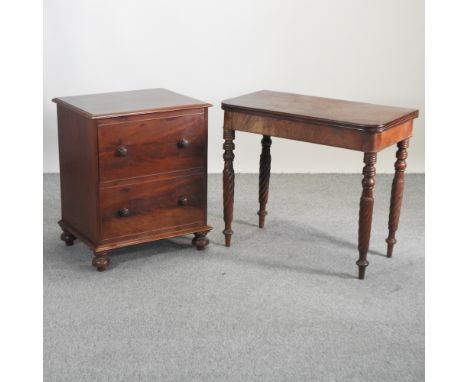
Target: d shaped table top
x,y
332,112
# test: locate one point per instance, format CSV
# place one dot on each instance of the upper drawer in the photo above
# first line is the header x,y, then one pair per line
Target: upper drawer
x,y
150,146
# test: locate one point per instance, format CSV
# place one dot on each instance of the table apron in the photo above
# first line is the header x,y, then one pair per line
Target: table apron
x,y
343,137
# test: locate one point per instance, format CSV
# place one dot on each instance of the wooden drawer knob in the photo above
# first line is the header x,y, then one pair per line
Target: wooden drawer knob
x,y
183,201
182,143
123,212
122,151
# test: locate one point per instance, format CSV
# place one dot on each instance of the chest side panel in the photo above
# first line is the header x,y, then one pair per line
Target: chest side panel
x,y
78,154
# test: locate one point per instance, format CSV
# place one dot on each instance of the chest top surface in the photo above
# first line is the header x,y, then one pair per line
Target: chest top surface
x,y
334,112
106,105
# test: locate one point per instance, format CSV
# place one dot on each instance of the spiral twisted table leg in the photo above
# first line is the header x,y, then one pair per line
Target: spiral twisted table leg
x,y
398,186
228,183
264,179
365,211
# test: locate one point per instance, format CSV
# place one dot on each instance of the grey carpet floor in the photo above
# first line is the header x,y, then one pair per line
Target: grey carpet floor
x,y
282,304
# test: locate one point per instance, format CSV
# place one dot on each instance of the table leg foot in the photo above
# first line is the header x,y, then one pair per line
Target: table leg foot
x,y
365,210
362,268
227,237
397,194
261,218
390,244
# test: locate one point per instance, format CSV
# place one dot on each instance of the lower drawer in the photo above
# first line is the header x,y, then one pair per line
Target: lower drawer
x,y
152,206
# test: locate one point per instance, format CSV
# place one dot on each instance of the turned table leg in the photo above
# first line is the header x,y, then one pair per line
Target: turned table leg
x,y
200,241
264,179
101,260
365,211
67,237
397,194
228,183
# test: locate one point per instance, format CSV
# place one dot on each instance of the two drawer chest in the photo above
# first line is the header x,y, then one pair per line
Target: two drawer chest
x,y
133,169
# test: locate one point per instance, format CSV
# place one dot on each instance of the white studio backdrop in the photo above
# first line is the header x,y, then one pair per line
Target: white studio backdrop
x,y
360,50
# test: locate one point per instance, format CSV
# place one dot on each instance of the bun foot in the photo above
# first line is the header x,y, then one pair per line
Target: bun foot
x,y
101,261
200,241
68,238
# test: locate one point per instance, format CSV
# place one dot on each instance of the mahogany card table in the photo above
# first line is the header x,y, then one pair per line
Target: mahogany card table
x,y
351,125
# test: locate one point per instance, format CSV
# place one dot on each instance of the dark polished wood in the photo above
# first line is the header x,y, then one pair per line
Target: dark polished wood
x,y
133,168
228,181
357,126
397,194
264,179
366,207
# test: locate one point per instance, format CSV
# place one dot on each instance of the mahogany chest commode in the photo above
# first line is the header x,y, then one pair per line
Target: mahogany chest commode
x,y
133,169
